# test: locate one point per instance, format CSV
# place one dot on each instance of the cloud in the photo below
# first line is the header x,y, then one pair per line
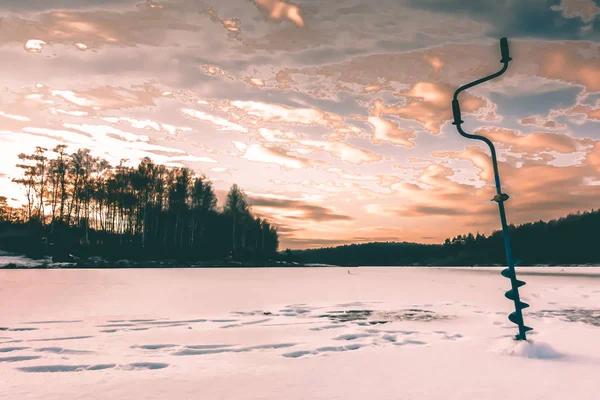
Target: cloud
x,y
427,103
256,111
593,157
278,9
231,25
531,143
580,113
584,9
340,150
273,155
533,18
300,209
222,124
146,25
142,124
572,63
540,122
387,131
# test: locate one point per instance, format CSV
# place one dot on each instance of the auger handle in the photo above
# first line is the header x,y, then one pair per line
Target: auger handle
x,y
504,50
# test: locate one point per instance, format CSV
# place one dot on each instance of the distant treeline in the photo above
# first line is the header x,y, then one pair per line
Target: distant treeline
x,y
80,204
574,239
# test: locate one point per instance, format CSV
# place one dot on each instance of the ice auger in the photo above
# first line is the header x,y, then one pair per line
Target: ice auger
x,y
510,273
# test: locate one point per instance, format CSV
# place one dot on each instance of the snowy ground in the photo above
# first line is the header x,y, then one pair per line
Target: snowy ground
x,y
377,333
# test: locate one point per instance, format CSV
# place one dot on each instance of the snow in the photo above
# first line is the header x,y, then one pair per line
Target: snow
x,y
294,333
7,258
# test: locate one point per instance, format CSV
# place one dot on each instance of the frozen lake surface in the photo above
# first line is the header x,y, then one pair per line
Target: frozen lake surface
x,y
316,333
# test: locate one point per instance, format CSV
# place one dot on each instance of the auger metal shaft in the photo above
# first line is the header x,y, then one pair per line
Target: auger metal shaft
x,y
510,273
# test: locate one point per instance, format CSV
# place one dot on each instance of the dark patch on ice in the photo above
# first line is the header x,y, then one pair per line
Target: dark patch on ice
x,y
60,338
191,351
18,358
246,323
9,349
296,354
248,313
376,317
54,322
109,330
60,350
321,328
145,365
171,325
95,367
66,368
353,304
198,352
351,336
170,322
22,329
294,323
347,315
354,346
132,320
223,320
587,316
2,328
208,346
99,367
455,336
389,338
413,342
153,346
403,332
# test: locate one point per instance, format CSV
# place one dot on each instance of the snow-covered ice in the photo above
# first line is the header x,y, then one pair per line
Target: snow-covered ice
x,y
294,333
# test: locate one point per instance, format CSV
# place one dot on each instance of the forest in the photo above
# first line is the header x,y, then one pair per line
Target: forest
x,y
574,239
79,205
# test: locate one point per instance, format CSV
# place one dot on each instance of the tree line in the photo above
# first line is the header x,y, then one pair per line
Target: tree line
x,y
569,240
78,202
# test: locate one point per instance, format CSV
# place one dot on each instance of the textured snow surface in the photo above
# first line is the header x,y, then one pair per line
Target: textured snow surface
x,y
318,333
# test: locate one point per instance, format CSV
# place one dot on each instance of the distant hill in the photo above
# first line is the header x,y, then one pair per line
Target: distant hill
x,y
574,239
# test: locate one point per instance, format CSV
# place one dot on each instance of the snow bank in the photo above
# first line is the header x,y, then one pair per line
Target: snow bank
x,y
20,260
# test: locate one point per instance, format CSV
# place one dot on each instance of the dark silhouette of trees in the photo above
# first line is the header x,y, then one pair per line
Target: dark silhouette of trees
x,y
569,240
81,204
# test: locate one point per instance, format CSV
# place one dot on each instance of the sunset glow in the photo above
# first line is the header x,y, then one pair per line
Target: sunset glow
x,y
335,117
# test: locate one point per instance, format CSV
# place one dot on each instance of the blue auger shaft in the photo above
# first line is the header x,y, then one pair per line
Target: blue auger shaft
x,y
510,273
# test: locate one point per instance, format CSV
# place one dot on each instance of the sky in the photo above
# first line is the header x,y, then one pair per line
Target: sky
x,y
333,116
